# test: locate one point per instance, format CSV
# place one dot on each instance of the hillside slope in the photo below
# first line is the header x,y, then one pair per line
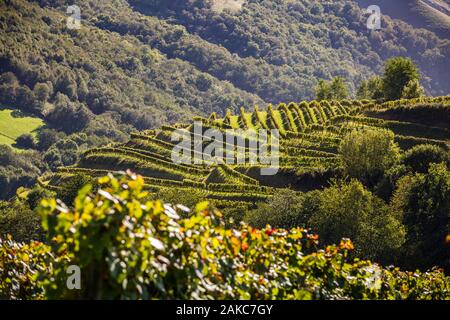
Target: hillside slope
x,y
136,65
275,50
181,58
101,70
311,133
433,15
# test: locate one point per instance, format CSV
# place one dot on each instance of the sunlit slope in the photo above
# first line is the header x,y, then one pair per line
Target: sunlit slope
x,y
310,136
13,125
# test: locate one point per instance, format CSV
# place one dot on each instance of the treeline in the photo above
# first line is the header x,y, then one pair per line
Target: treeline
x,y
18,170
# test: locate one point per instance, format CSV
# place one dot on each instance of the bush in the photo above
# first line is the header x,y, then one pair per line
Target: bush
x,y
387,185
421,156
348,210
19,221
366,154
174,196
286,209
424,202
26,141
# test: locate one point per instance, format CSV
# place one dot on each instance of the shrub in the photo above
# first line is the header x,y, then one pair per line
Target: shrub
x,y
387,185
421,156
348,210
286,209
19,221
19,266
366,154
26,141
424,202
176,196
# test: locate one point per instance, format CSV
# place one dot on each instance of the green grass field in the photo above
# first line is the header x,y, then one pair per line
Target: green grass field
x,y
12,126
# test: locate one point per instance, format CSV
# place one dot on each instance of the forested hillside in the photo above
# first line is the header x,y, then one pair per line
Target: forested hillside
x,y
91,87
315,39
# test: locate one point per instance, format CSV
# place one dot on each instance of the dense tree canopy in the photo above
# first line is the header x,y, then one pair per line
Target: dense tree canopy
x,y
424,202
336,89
351,211
366,154
400,77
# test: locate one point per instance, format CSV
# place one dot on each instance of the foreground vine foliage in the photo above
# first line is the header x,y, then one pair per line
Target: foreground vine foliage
x,y
131,248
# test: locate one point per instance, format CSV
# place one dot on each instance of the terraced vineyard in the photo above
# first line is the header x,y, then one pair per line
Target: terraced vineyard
x,y
310,136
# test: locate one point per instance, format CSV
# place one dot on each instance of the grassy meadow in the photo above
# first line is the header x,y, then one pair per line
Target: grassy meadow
x,y
13,125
